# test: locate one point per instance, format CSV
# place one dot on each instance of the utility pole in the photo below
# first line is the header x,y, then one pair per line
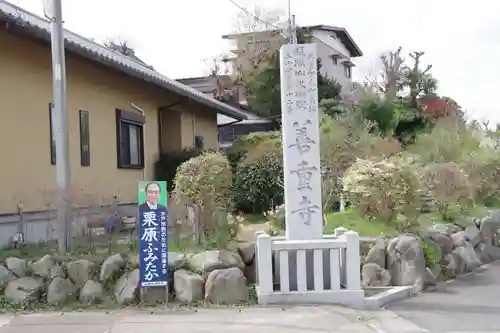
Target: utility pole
x,y
60,120
292,33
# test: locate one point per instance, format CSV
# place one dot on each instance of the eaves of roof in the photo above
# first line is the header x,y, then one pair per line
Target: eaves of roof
x,y
39,28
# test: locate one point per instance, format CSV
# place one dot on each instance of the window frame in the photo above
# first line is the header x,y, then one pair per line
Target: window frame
x,y
347,71
130,119
84,138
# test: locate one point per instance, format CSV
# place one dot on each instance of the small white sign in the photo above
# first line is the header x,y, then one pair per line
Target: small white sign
x,y
300,128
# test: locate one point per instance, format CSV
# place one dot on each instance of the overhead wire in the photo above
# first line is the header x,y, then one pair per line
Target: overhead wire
x,y
246,11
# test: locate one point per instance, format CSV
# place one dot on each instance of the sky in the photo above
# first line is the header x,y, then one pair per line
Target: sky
x,y
460,39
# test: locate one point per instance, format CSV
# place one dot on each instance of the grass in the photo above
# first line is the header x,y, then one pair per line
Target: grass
x,y
351,219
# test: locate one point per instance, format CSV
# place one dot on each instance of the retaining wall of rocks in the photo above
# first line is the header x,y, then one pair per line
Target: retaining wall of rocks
x,y
218,276
441,252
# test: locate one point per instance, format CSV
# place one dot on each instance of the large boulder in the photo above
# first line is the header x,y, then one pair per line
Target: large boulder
x,y
372,275
42,266
466,258
226,286
450,266
246,250
127,288
406,262
444,228
92,292
111,267
5,277
207,261
80,271
60,291
189,287
473,235
377,254
17,266
23,290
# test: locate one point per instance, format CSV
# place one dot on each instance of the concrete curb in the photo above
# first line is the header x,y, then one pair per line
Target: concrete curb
x,y
385,296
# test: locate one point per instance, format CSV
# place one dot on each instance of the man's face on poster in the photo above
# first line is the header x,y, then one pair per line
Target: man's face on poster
x,y
153,193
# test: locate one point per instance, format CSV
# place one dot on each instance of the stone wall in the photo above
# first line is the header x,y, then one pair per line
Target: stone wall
x,y
441,252
218,276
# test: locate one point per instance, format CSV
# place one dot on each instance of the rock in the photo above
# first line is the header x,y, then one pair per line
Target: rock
x,y
23,289
444,228
487,233
80,271
406,262
42,266
472,235
127,288
468,260
111,267
450,266
226,286
189,287
496,238
444,242
207,261
430,278
17,266
60,291
459,239
487,253
372,275
57,271
377,254
492,220
176,260
92,292
5,277
246,250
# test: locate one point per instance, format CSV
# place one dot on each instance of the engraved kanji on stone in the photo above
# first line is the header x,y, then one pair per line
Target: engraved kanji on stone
x,y
301,83
304,173
299,51
301,104
307,210
303,142
289,105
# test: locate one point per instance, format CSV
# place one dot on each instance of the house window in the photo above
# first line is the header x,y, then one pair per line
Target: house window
x,y
130,140
335,60
347,71
198,142
84,138
52,135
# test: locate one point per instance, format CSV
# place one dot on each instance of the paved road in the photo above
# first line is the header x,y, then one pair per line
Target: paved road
x,y
231,320
469,304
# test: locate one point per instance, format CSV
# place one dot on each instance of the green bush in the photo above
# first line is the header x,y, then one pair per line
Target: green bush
x,y
483,168
450,188
258,182
389,190
205,180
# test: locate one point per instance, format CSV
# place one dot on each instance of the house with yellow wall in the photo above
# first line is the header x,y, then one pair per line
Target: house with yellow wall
x,y
121,115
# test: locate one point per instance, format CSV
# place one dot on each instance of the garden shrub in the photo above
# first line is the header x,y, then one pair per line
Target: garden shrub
x,y
258,182
450,187
449,141
205,180
483,168
388,189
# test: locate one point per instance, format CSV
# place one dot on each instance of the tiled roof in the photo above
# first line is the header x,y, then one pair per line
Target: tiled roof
x,y
40,28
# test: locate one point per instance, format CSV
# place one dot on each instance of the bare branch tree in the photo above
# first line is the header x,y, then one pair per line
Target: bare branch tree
x,y
119,44
259,35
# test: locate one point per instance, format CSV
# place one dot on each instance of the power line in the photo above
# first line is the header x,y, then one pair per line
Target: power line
x,y
246,11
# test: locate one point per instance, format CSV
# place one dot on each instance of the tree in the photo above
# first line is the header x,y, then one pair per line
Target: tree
x,y
259,36
263,87
122,45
